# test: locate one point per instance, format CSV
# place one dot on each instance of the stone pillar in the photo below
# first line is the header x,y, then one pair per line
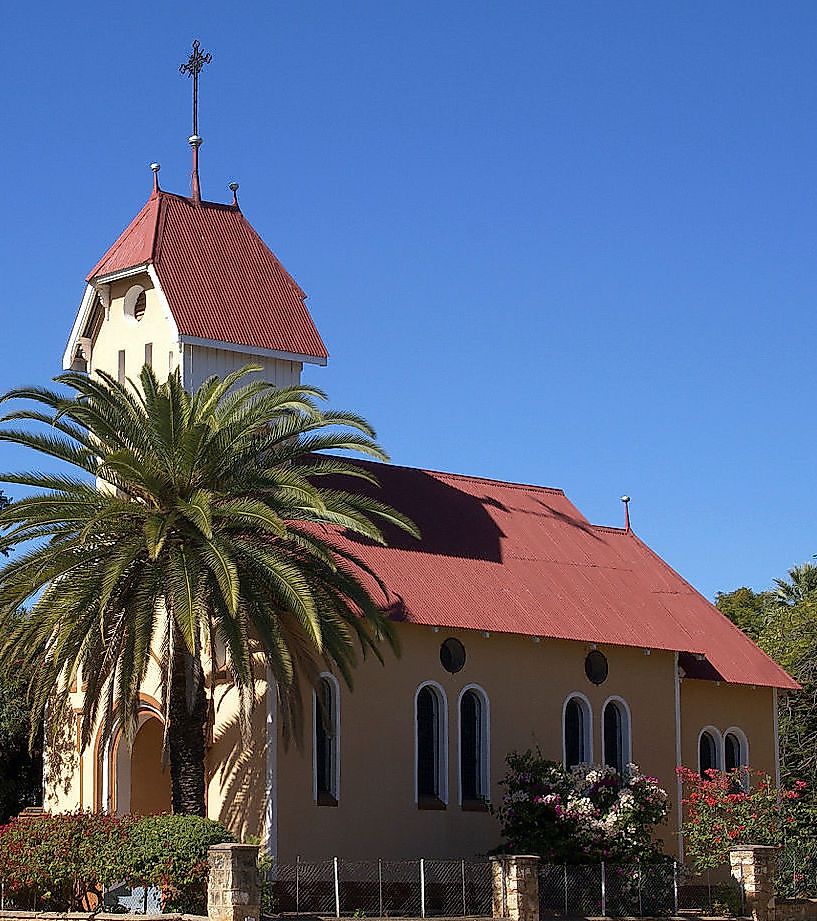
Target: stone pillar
x,y
753,866
233,890
515,887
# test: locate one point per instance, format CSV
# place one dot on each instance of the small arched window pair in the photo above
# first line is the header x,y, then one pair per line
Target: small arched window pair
x,y
577,722
727,752
431,747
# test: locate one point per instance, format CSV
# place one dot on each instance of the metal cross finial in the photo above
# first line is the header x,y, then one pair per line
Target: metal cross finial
x,y
193,67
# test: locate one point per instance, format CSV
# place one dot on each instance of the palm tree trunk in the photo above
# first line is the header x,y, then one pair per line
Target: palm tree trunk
x,y
188,717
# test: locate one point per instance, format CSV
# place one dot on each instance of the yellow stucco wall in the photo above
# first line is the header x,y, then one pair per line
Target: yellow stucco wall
x,y
526,684
120,331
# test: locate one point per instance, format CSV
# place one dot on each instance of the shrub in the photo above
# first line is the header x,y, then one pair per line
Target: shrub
x,y
62,862
736,807
583,814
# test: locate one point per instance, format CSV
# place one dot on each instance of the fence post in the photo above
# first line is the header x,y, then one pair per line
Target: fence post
x,y
464,907
233,891
422,888
640,881
380,885
298,884
754,866
516,887
603,890
566,901
337,887
675,887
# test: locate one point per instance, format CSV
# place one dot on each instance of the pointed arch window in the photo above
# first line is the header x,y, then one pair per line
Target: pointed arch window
x,y
709,751
431,747
326,741
577,731
616,734
474,748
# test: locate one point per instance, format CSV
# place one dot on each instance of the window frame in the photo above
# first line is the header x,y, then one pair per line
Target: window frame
x,y
327,797
626,730
717,738
440,801
587,740
480,804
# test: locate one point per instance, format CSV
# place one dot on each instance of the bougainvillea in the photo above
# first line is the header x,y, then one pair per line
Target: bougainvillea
x,y
62,862
723,809
587,813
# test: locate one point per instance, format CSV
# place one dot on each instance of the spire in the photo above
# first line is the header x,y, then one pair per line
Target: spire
x,y
626,501
193,67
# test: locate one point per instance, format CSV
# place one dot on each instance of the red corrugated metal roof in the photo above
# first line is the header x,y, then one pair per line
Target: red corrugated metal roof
x,y
522,559
221,281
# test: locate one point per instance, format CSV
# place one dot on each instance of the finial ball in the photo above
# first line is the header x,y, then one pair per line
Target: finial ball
x,y
625,499
155,167
233,187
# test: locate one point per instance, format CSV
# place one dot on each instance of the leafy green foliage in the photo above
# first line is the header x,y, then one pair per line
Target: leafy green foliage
x,y
746,609
736,807
587,813
220,508
61,862
783,622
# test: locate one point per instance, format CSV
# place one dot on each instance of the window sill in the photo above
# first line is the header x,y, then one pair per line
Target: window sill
x,y
430,802
326,799
474,805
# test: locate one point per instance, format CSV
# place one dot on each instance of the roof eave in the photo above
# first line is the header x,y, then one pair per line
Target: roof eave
x,y
254,350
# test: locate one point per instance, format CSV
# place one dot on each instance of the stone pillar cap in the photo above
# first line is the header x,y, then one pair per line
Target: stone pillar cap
x,y
754,847
233,846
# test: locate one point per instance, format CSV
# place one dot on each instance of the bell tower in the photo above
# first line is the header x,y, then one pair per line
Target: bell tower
x,y
189,284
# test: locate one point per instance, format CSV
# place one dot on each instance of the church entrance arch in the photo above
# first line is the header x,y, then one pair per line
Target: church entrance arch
x,y
140,785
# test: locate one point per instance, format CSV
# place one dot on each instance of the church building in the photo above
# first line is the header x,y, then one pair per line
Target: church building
x,y
522,624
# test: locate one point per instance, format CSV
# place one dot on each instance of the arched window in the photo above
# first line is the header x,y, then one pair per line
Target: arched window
x,y
577,725
474,746
709,751
431,744
616,734
736,755
326,722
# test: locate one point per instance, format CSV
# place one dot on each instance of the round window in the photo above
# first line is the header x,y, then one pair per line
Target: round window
x,y
139,306
452,655
595,667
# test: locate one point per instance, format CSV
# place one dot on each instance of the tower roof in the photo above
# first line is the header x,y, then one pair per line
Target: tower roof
x,y
221,281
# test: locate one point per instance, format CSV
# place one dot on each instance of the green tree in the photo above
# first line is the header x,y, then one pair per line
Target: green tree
x,y
20,764
783,622
746,609
213,518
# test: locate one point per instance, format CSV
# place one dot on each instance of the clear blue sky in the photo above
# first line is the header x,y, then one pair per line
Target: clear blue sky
x,y
561,243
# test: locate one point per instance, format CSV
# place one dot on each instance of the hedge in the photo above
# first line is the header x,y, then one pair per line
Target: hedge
x,y
64,862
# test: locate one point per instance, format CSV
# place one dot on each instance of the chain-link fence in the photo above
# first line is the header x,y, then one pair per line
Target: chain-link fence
x,y
379,888
797,873
608,889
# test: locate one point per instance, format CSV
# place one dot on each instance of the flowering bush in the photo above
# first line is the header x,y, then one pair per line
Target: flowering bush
x,y
583,814
61,862
736,807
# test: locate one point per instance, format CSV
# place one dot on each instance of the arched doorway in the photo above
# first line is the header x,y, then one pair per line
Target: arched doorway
x,y
150,785
140,786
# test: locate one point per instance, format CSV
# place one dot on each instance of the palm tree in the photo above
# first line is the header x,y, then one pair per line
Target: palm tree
x,y
186,518
802,583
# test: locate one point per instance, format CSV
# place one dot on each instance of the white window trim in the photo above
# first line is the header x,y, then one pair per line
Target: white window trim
x,y
719,747
744,761
335,718
627,729
442,754
587,742
485,754
129,301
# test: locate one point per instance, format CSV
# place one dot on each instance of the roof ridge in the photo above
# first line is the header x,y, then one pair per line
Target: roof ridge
x,y
475,478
